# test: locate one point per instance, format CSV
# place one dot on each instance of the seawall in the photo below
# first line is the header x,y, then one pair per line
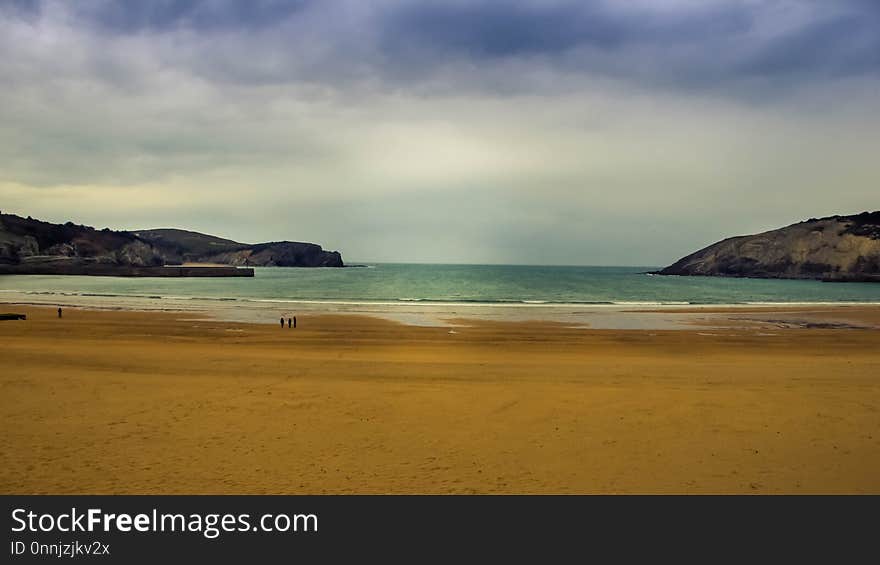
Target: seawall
x,y
125,271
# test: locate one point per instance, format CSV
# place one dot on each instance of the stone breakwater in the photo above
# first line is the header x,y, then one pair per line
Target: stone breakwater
x,y
124,271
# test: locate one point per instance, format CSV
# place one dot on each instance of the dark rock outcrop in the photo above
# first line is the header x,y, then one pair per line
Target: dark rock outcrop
x,y
836,248
33,246
13,316
26,241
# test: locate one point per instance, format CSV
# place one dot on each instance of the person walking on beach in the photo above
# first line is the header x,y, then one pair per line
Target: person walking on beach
x,y
288,322
59,312
294,321
282,322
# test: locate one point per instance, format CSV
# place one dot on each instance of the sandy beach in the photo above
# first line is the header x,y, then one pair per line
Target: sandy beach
x,y
146,402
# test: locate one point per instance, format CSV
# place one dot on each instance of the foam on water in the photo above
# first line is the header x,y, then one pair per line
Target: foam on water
x,y
432,291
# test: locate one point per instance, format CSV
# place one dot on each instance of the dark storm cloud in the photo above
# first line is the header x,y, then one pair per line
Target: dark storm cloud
x,y
161,15
713,43
778,43
504,29
25,9
843,43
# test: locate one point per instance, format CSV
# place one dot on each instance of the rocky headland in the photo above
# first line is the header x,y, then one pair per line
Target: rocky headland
x,y
30,246
836,248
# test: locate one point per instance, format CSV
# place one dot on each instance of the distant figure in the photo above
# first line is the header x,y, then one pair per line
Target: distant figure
x,y
288,322
294,321
59,312
282,323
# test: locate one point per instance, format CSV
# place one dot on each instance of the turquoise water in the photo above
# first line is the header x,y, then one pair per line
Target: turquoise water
x,y
490,284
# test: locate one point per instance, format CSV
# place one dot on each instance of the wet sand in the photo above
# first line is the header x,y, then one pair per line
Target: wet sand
x,y
133,402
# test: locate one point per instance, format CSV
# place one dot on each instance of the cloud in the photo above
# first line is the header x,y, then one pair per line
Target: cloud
x,y
133,16
403,129
391,44
502,29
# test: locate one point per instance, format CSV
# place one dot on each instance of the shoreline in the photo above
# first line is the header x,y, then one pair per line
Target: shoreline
x,y
653,316
454,303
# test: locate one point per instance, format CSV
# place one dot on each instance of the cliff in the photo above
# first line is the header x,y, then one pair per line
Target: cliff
x,y
181,246
29,246
26,241
836,248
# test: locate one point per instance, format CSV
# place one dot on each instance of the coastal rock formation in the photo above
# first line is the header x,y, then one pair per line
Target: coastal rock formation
x,y
26,241
182,246
32,246
836,248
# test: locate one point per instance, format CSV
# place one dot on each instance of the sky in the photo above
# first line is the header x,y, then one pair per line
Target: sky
x,y
532,132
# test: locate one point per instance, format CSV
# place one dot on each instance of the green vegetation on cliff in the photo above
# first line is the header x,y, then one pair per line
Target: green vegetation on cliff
x,y
29,245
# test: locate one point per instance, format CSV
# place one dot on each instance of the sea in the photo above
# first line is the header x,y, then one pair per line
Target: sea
x,y
425,293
